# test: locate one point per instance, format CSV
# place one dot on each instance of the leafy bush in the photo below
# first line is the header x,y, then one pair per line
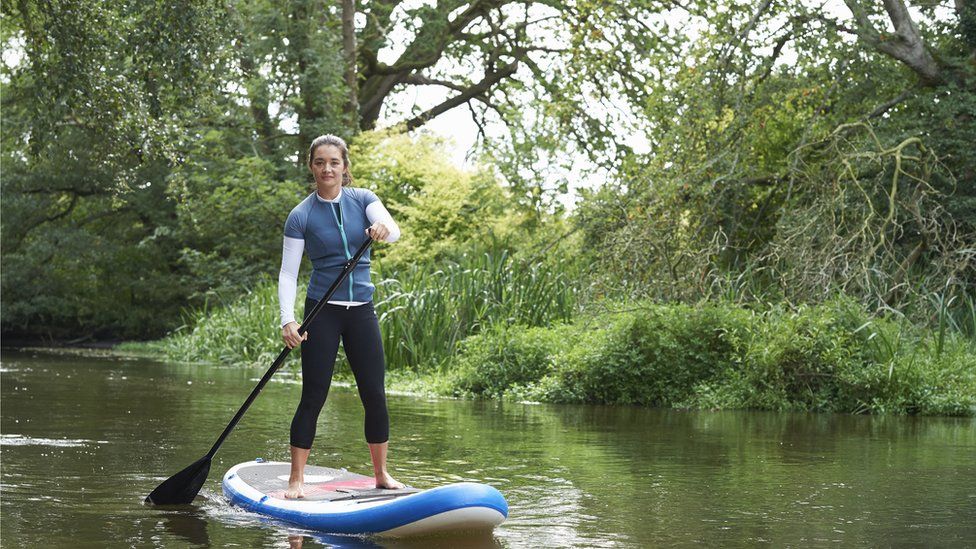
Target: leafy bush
x,y
828,357
836,357
507,357
809,358
653,356
230,217
439,207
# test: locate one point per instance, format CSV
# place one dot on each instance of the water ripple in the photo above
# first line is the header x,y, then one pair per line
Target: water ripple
x,y
21,440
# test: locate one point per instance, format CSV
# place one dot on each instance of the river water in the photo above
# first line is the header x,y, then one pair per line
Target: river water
x,y
85,438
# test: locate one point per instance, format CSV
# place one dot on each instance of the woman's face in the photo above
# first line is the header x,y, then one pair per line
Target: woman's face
x,y
327,166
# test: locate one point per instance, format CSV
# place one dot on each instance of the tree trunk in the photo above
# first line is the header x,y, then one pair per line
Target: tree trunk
x,y
349,51
258,100
904,45
309,108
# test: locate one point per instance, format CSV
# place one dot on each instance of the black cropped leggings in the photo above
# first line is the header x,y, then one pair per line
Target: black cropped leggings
x,y
360,332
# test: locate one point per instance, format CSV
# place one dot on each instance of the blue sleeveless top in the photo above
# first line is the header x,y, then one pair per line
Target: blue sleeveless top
x,y
333,231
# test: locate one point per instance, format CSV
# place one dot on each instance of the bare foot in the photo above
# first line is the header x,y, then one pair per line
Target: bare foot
x,y
387,482
295,490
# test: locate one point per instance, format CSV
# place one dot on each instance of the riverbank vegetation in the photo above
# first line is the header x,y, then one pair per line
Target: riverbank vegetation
x,y
709,205
828,357
833,356
424,314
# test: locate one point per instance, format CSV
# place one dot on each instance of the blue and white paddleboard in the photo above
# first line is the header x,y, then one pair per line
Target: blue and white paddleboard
x,y
340,502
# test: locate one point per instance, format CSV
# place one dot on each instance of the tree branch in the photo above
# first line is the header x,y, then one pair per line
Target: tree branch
x,y
421,80
777,50
905,46
744,33
474,117
490,79
884,107
370,109
423,52
414,57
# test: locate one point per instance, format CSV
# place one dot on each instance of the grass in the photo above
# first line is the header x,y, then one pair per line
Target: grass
x,y
426,314
423,313
243,331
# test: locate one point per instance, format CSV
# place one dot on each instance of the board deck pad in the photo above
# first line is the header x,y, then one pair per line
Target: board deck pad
x,y
321,483
338,501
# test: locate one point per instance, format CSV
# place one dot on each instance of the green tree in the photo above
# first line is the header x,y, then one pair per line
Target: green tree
x,y
91,108
442,210
745,159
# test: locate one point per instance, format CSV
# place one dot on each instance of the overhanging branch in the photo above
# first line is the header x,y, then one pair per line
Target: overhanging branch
x,y
905,45
471,92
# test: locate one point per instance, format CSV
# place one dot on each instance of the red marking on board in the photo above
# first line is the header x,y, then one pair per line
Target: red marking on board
x,y
364,483
318,488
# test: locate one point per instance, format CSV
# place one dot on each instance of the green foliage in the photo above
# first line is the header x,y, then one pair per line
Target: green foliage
x,y
423,313
109,69
230,213
91,97
287,67
242,330
810,358
426,312
105,105
448,216
831,357
653,355
506,357
76,283
945,120
837,172
396,166
86,250
441,210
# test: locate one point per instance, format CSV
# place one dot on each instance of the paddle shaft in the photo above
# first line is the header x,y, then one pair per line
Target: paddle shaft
x,y
309,316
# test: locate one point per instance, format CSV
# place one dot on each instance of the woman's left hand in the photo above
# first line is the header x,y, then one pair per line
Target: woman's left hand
x,y
378,232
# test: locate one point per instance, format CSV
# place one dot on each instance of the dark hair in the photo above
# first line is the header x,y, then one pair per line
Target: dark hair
x,y
338,143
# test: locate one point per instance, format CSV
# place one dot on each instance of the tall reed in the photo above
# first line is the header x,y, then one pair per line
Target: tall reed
x,y
242,330
425,313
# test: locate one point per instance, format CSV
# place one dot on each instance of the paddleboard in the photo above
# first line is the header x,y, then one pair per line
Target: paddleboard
x,y
341,502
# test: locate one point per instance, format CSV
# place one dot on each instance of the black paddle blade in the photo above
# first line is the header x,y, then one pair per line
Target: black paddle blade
x,y
182,487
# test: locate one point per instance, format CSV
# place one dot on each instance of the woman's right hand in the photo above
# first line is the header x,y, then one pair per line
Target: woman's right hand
x,y
289,334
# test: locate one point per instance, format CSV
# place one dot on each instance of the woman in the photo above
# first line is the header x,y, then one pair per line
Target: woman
x,y
330,224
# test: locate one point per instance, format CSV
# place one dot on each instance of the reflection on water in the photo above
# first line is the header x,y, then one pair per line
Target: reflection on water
x,y
84,439
19,440
476,541
188,523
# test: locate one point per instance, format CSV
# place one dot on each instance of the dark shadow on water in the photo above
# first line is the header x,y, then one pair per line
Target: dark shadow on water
x,y
187,523
467,540
297,541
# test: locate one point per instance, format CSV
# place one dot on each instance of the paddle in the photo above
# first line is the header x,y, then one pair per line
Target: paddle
x,y
182,487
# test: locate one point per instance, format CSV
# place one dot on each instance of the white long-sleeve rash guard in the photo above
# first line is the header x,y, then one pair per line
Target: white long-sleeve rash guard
x,y
291,260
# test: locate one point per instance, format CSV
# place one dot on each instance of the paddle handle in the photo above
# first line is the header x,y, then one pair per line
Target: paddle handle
x,y
309,316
